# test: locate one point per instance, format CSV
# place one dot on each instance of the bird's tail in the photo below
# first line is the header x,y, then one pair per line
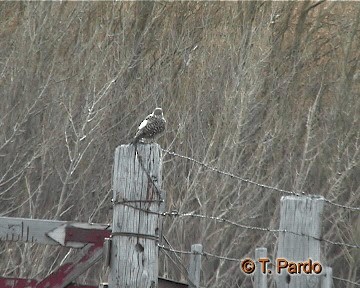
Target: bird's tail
x,y
135,141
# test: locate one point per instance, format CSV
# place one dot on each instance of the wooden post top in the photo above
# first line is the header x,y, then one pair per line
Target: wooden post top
x,y
138,200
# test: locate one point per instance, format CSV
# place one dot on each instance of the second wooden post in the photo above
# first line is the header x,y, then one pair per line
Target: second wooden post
x,y
137,199
300,221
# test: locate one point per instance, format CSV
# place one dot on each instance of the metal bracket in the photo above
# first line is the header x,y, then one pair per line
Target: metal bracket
x,y
107,251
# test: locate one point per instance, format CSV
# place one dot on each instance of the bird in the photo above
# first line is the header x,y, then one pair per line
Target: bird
x,y
151,128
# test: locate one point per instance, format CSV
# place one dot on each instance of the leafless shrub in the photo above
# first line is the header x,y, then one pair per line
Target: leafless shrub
x,y
268,91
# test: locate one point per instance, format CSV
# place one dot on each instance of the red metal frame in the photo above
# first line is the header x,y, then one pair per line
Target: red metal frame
x,y
17,282
68,271
74,234
31,283
60,277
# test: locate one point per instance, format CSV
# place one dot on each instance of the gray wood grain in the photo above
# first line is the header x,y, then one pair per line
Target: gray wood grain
x,y
260,279
136,183
327,281
28,230
302,216
49,232
195,265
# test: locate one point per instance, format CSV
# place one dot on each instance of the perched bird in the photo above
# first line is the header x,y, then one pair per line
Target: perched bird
x,y
151,128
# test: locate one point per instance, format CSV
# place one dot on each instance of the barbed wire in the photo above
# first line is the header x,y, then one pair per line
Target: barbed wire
x,y
178,261
182,267
264,229
178,264
152,181
237,260
177,256
204,253
236,224
214,169
239,225
347,281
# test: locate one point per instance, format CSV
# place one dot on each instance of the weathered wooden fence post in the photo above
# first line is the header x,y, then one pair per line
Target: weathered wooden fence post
x,y
137,200
327,281
260,278
195,265
300,217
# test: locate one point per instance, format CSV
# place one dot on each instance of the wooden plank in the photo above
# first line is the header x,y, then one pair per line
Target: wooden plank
x,y
195,265
49,232
8,282
300,217
28,230
136,195
260,278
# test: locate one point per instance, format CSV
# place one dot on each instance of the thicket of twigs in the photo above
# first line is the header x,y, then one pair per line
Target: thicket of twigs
x,y
267,91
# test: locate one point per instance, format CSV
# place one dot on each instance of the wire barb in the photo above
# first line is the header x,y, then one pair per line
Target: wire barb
x,y
347,281
237,260
264,229
302,193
